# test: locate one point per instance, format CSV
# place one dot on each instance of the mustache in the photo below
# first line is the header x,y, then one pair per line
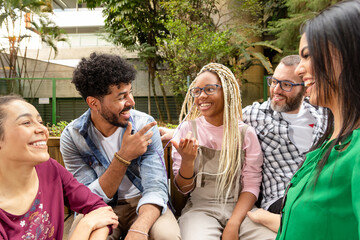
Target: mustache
x,y
126,109
282,95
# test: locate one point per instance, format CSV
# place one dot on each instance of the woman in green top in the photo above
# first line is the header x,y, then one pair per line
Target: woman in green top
x,y
323,198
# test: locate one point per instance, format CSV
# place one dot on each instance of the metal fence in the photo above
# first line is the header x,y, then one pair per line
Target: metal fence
x,y
31,88
49,95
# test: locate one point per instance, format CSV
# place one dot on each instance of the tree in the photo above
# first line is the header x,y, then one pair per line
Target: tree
x,y
18,19
288,16
50,34
196,39
136,25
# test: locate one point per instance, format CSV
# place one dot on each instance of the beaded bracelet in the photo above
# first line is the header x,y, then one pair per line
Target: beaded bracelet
x,y
121,160
137,231
186,177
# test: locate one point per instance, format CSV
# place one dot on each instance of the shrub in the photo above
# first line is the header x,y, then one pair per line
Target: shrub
x,y
56,129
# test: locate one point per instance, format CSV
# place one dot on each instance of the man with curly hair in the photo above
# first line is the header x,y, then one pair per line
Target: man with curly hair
x,y
117,152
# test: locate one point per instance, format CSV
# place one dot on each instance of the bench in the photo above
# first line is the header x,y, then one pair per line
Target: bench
x,y
177,199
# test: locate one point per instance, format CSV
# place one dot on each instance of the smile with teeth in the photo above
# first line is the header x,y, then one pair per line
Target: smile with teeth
x,y
40,143
309,83
204,106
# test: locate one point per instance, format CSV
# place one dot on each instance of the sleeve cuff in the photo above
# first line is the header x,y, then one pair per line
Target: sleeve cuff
x,y
152,198
252,191
96,188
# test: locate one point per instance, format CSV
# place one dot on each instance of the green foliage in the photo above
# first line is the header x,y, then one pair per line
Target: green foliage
x,y
195,41
171,126
287,29
189,48
184,36
18,19
49,32
136,25
133,24
167,125
55,130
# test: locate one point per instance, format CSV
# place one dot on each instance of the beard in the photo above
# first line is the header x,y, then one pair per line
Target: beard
x,y
114,119
290,104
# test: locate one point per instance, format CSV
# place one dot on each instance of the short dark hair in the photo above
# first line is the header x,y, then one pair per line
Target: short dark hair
x,y
5,100
94,76
290,60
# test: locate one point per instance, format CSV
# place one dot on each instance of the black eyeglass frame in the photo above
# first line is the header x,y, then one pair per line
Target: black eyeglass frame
x,y
271,78
203,89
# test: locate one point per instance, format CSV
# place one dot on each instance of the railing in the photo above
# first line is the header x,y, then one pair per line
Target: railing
x,y
53,95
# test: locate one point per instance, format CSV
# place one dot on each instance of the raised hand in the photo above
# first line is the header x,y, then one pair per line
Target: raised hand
x,y
187,148
133,146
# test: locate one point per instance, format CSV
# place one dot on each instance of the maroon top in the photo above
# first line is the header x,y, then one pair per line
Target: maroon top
x,y
45,218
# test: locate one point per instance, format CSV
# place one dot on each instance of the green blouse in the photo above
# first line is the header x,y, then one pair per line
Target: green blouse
x,y
331,209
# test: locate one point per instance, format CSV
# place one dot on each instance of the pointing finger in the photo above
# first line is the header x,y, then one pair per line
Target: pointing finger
x,y
146,128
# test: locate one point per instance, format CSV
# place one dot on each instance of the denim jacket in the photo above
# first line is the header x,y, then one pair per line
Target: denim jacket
x,y
85,158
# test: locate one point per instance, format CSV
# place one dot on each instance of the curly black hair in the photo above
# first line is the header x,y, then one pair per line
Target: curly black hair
x,y
95,75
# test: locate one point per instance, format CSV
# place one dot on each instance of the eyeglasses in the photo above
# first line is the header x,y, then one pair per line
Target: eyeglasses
x,y
284,85
209,89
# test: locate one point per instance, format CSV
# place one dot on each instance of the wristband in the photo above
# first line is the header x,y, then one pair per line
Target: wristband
x,y
121,160
186,177
137,231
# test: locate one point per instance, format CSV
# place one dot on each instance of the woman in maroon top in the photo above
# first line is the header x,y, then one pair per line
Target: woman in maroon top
x,y
33,187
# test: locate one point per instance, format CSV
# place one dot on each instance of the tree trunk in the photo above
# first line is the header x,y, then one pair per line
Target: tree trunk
x,y
149,94
165,100
151,65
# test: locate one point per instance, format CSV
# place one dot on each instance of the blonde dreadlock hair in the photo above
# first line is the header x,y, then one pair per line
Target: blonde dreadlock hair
x,y
230,162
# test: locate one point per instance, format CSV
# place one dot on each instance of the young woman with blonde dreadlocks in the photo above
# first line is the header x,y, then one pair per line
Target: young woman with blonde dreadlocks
x,y
217,161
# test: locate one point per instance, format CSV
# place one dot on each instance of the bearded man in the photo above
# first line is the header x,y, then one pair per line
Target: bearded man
x,y
117,152
286,126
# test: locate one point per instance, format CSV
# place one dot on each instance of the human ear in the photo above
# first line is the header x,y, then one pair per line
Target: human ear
x,y
93,103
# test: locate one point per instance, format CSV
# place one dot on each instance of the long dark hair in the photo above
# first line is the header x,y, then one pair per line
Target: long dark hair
x,y
336,31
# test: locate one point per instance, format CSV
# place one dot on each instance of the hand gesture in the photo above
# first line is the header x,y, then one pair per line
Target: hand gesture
x,y
187,148
133,146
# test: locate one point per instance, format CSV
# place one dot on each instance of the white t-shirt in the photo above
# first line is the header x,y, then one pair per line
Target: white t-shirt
x,y
111,145
300,128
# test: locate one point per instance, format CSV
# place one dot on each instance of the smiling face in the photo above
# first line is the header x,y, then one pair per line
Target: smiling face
x,y
25,136
283,101
318,96
210,106
115,107
304,70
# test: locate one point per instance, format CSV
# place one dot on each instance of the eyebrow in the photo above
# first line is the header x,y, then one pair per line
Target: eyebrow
x,y
25,115
302,50
123,93
286,80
